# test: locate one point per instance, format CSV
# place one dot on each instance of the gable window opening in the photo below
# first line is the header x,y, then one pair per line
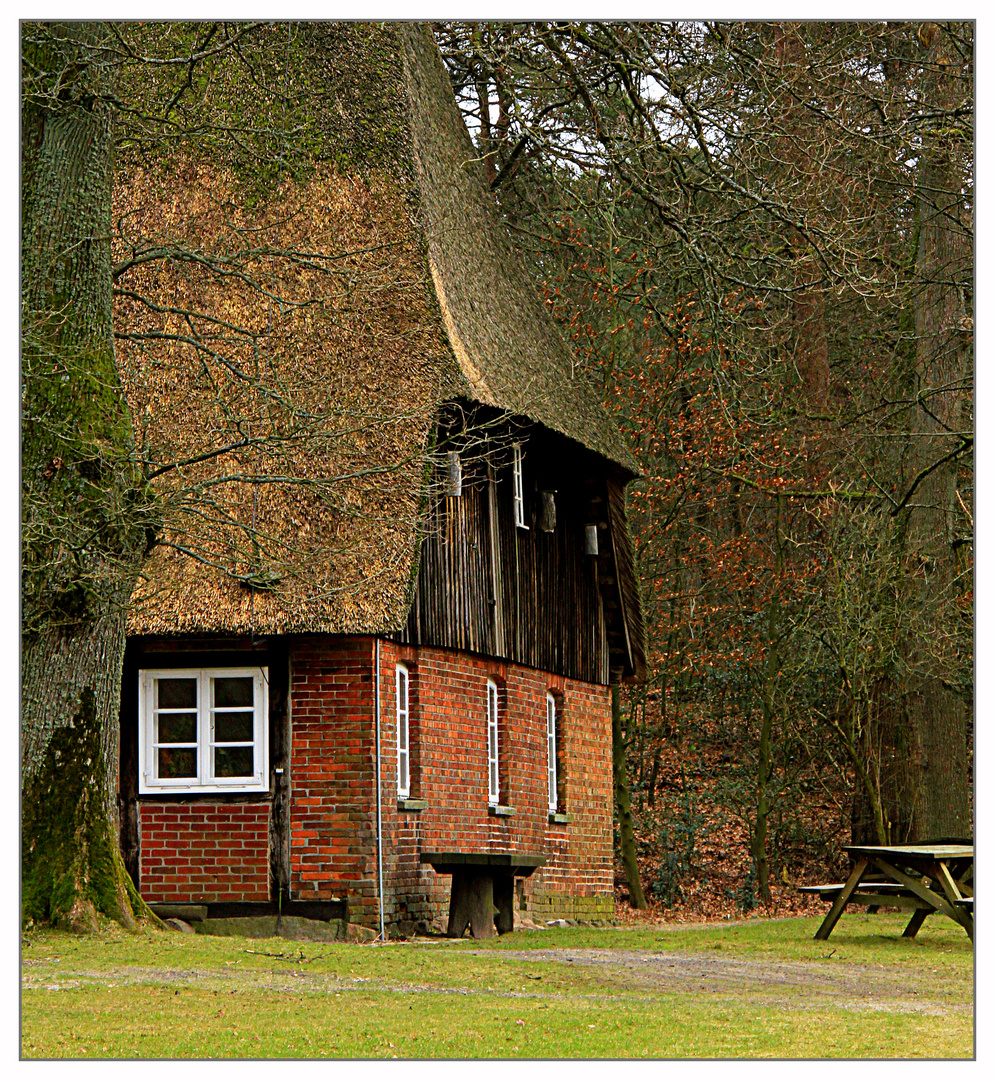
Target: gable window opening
x,y
403,732
516,463
493,766
203,730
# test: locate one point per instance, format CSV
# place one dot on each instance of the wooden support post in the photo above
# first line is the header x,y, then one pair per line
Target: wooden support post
x,y
918,918
504,901
841,901
471,902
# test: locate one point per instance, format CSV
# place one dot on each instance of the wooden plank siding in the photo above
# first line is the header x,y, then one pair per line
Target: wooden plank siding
x,y
525,595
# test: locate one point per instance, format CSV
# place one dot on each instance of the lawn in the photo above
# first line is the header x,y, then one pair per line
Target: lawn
x,y
749,989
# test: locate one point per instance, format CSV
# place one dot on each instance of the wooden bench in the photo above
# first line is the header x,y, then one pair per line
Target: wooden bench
x,y
875,894
483,890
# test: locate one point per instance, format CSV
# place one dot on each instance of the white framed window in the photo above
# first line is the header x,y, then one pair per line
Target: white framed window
x,y
493,772
403,746
516,468
203,729
551,751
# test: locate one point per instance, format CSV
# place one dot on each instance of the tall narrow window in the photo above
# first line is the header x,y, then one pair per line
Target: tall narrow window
x,y
516,463
493,784
551,751
403,734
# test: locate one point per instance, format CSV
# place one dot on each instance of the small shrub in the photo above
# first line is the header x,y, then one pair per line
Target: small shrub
x,y
677,844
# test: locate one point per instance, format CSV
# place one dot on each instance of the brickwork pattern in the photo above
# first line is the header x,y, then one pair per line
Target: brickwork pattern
x,y
332,790
449,772
203,852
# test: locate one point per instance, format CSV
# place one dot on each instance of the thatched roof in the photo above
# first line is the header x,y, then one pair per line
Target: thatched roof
x,y
286,362
507,345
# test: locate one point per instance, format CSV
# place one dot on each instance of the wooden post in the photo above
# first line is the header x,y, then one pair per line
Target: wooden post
x,y
471,901
504,901
826,927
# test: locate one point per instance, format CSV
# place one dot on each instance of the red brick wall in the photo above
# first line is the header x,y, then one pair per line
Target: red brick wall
x,y
203,852
332,795
448,735
333,798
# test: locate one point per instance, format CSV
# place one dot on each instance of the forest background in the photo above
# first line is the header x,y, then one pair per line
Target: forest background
x,y
759,239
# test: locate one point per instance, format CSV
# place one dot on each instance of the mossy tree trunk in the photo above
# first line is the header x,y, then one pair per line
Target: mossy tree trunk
x,y
82,524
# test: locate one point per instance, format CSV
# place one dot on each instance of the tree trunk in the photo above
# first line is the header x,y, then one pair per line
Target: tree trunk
x,y
81,534
937,715
623,807
71,863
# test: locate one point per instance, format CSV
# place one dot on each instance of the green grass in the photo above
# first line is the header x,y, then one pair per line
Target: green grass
x,y
754,989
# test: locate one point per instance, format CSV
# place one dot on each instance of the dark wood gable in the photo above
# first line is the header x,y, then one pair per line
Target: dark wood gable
x,y
536,596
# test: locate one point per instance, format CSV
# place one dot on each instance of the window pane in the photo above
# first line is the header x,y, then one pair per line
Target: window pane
x,y
233,727
177,693
233,761
177,727
402,690
178,764
402,774
230,692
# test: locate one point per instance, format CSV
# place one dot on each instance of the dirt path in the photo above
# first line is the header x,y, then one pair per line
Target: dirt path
x,y
610,972
769,982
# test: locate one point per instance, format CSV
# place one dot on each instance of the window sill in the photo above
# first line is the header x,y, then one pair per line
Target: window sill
x,y
560,819
412,804
499,810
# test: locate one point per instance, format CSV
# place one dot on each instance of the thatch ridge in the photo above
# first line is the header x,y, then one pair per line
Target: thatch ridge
x,y
508,346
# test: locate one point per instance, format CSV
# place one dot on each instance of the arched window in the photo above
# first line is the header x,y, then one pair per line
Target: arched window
x,y
493,760
402,700
551,753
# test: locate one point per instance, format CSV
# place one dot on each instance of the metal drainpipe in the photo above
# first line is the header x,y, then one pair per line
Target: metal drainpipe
x,y
376,699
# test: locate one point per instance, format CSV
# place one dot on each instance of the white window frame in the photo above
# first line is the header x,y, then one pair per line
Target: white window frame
x,y
516,469
205,781
493,750
551,752
402,700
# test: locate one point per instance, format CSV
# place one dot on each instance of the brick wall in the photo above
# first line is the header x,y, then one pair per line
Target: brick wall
x,y
203,852
333,798
449,752
332,795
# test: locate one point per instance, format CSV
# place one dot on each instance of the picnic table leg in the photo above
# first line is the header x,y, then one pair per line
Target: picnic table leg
x,y
918,918
841,901
953,894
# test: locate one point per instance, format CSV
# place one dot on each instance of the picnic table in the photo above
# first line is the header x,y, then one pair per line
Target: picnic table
x,y
482,894
926,878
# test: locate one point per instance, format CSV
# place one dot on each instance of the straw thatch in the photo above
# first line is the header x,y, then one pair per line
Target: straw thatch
x,y
507,345
286,363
